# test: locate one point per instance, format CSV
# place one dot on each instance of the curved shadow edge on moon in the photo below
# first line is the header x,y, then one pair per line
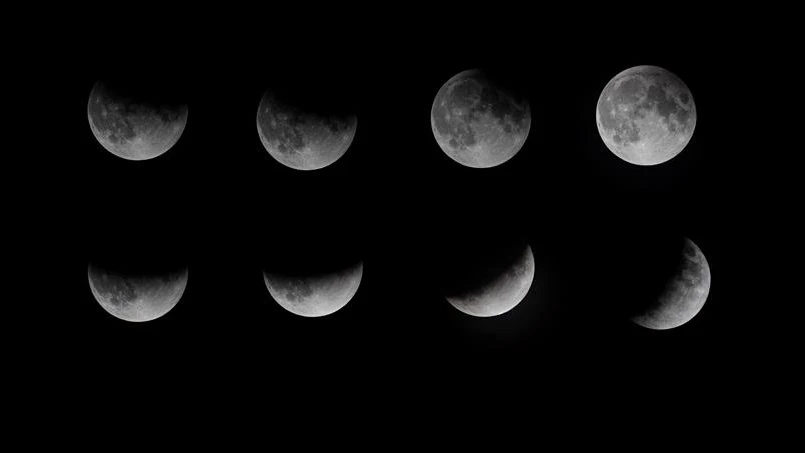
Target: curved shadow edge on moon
x,y
684,294
501,294
136,299
314,296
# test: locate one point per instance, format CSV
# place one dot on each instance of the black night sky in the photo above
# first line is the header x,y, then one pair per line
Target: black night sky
x,y
218,203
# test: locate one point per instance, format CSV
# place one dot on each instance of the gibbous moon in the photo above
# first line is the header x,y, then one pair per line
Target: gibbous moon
x,y
135,298
303,139
499,293
477,122
646,115
315,295
131,126
684,294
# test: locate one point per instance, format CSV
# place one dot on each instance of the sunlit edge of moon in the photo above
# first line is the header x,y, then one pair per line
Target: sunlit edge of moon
x,y
354,273
697,309
170,304
531,263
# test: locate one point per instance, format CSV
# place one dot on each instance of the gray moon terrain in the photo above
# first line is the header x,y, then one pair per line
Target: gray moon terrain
x,y
646,115
477,123
136,299
303,140
133,130
316,295
502,293
684,294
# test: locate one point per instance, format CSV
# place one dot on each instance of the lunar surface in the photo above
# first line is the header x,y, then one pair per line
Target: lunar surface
x,y
136,299
131,128
500,293
646,115
478,123
303,140
318,295
683,296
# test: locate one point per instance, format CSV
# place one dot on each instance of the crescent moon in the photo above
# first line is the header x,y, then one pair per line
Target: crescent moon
x,y
502,293
684,294
136,299
314,296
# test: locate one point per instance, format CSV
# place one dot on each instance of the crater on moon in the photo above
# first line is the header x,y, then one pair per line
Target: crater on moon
x,y
646,115
478,122
133,125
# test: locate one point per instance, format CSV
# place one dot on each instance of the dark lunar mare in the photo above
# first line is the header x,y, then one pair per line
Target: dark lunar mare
x,y
115,287
294,288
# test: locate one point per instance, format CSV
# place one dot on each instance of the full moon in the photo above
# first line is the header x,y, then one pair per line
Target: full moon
x,y
646,115
300,138
477,122
315,295
136,298
133,126
500,290
684,294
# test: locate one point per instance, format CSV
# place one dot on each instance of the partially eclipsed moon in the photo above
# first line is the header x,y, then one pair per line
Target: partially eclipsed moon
x,y
477,123
502,293
317,295
130,130
684,294
646,115
136,298
303,140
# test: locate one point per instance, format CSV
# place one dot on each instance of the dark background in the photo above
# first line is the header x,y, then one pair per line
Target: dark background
x,y
221,204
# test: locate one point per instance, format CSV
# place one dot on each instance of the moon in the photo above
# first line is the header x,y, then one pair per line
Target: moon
x,y
303,139
684,294
130,127
503,291
316,295
646,115
477,122
133,298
